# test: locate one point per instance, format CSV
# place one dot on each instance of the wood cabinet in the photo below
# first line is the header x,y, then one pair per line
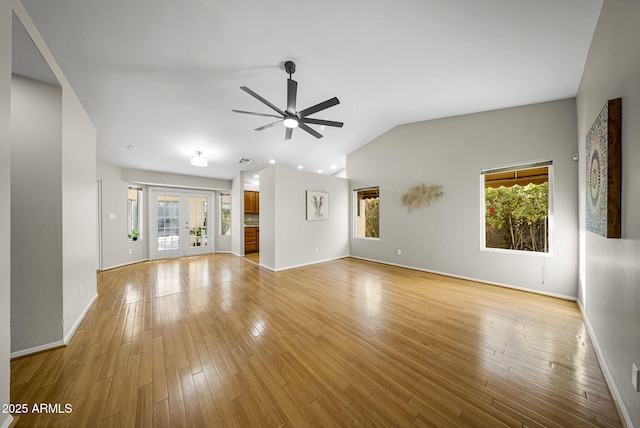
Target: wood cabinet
x,y
251,202
251,239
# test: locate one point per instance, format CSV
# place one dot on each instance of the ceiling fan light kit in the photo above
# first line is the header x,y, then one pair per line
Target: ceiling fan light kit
x,y
291,118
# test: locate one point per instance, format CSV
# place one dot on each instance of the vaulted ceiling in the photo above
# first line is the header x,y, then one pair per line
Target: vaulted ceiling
x,y
159,78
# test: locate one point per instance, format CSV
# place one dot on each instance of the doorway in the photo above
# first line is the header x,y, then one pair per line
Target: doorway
x,y
179,223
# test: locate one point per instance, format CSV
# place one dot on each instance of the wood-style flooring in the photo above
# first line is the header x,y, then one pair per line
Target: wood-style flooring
x,y
217,341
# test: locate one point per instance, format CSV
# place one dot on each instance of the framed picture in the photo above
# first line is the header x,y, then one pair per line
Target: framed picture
x,y
317,205
603,174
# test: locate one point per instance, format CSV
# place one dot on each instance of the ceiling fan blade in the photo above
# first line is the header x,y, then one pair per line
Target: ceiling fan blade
x,y
322,122
288,133
292,91
319,107
254,113
269,125
309,130
259,98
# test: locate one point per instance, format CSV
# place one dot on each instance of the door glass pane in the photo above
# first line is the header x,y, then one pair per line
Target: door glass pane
x,y
168,222
198,210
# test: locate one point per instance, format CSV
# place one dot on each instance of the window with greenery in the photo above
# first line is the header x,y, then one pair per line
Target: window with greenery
x,y
517,207
225,214
134,196
367,210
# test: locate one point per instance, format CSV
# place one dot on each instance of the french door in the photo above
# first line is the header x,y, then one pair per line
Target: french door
x,y
179,223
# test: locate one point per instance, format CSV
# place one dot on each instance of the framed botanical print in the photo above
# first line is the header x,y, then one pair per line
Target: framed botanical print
x,y
603,174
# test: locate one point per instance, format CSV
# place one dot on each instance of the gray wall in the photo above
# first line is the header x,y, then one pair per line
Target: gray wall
x,y
5,208
53,235
445,236
36,214
293,240
610,268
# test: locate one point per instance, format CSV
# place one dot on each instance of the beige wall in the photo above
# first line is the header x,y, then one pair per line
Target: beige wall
x,y
610,268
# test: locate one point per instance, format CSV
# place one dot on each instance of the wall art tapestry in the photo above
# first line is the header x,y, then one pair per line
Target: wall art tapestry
x,y
317,205
604,174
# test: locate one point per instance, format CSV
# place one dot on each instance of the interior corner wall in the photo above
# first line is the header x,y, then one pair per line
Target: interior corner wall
x,y
237,214
298,241
445,236
268,217
610,295
36,215
79,211
117,250
5,208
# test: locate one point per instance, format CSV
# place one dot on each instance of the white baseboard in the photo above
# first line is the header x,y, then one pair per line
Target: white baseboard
x,y
35,349
304,264
484,281
58,343
124,264
7,422
607,374
69,335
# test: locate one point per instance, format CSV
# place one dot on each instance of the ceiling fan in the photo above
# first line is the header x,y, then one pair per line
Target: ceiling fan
x,y
292,118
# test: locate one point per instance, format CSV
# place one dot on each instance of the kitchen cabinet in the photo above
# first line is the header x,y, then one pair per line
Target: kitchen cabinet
x,y
251,202
251,239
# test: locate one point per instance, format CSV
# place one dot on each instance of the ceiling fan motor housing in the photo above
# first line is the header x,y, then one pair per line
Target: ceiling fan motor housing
x,y
290,67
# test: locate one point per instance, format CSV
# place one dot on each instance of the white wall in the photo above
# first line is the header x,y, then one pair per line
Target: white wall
x,y
79,138
115,243
611,267
445,236
36,215
5,208
295,241
237,215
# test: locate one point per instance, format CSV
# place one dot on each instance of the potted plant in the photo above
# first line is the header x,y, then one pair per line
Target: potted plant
x,y
133,235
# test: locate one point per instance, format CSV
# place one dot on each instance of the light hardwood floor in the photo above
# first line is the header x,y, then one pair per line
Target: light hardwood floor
x,y
216,341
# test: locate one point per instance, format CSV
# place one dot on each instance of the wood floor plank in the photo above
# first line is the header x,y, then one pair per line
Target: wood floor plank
x,y
216,340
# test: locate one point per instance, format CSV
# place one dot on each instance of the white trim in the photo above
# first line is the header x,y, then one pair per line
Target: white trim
x,y
35,349
124,264
75,326
7,422
484,281
305,264
224,252
607,374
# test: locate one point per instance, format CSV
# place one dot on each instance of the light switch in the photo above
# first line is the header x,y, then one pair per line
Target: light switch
x,y
112,216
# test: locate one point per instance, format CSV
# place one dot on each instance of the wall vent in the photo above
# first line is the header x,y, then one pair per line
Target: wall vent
x,y
245,161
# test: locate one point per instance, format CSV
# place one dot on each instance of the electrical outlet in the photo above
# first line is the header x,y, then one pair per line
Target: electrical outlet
x,y
316,249
634,378
81,289
399,252
130,250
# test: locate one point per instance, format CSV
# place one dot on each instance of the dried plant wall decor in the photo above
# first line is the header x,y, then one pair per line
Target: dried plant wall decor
x,y
421,195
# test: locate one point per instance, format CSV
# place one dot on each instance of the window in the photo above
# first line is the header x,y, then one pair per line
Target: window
x,y
517,203
225,214
134,196
367,213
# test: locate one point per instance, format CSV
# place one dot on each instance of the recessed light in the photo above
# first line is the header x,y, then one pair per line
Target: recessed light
x,y
272,161
256,176
300,167
319,171
333,166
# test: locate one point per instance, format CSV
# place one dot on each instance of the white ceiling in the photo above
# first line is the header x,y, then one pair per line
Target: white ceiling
x,y
163,75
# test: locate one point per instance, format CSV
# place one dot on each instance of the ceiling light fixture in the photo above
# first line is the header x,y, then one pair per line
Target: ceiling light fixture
x,y
199,160
272,161
290,122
